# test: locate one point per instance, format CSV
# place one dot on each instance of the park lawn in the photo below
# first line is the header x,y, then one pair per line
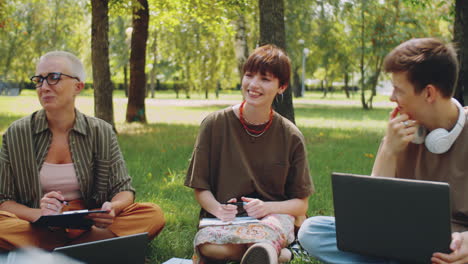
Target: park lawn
x,y
340,137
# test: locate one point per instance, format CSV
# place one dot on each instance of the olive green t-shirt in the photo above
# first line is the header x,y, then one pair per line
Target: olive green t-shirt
x,y
230,163
452,167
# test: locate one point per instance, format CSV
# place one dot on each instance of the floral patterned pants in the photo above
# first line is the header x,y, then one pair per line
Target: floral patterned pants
x,y
276,229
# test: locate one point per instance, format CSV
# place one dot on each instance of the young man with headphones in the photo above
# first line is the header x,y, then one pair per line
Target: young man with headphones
x,y
426,139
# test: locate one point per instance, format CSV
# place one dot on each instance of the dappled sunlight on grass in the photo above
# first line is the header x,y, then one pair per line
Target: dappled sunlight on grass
x,y
176,115
345,149
324,116
180,211
19,105
339,123
135,128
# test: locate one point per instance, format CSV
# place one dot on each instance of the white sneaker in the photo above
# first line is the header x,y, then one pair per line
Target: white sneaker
x,y
260,253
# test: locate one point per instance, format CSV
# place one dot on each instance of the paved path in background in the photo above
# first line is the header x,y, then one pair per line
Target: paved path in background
x,y
353,102
220,102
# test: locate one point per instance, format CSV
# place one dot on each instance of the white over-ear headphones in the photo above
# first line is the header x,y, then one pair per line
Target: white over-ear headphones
x,y
440,140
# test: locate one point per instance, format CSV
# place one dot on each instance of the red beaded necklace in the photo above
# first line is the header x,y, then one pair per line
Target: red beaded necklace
x,y
247,129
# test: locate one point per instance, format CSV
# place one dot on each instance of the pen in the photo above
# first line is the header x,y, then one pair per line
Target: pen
x,y
63,202
236,203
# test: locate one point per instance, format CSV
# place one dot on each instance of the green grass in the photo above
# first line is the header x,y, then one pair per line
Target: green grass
x,y
340,137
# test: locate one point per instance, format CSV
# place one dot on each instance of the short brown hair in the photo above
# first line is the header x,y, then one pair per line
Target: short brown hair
x,y
426,61
269,58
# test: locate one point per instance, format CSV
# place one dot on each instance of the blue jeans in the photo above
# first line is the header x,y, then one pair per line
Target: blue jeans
x,y
317,235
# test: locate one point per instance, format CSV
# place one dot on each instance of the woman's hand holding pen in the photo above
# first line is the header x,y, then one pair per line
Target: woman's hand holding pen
x,y
52,203
226,212
254,207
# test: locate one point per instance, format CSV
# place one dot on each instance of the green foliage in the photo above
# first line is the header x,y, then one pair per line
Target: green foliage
x,y
194,40
119,45
382,25
35,27
2,12
332,31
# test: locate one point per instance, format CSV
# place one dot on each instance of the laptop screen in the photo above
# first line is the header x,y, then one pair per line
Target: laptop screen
x,y
400,219
124,249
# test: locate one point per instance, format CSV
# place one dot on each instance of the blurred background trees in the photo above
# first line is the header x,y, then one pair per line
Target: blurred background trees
x,y
198,46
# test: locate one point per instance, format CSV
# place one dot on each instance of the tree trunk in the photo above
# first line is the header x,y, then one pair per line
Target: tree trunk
x,y
361,66
296,83
103,87
137,90
241,48
346,83
125,71
154,51
461,39
272,31
325,80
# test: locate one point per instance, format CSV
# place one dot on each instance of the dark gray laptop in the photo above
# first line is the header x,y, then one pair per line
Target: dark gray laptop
x,y
405,220
120,250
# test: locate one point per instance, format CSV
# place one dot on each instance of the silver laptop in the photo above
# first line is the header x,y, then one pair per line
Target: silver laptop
x,y
120,250
405,220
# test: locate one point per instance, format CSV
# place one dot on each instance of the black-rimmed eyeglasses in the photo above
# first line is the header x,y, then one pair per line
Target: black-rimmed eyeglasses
x,y
52,78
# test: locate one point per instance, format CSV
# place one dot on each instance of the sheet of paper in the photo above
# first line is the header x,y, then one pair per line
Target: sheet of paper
x,y
75,211
217,222
178,261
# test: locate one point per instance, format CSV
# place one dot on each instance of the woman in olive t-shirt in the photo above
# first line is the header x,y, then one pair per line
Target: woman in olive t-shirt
x,y
250,161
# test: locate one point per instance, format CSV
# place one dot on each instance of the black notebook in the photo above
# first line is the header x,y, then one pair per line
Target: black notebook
x,y
69,219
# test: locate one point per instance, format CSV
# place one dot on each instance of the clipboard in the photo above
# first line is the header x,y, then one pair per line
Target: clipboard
x,y
68,219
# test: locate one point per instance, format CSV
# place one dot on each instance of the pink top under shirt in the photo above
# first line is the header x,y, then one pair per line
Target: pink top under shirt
x,y
60,177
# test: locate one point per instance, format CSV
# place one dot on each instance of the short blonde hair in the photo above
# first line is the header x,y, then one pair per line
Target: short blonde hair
x,y
76,66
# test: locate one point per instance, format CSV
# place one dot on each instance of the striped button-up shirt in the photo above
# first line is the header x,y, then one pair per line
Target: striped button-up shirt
x,y
98,162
